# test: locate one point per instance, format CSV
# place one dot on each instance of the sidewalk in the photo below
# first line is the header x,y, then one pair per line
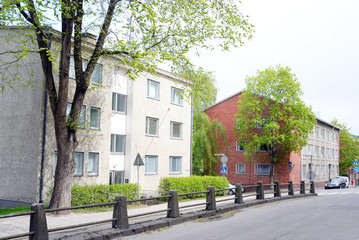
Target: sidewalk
x,y
17,225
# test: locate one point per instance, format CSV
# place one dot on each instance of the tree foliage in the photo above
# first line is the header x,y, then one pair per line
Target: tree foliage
x,y
349,147
206,133
142,33
271,116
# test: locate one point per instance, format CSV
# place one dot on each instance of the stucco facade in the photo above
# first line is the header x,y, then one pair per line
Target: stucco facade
x,y
27,137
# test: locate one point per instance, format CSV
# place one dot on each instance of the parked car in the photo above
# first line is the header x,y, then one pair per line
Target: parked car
x,y
346,179
335,183
233,190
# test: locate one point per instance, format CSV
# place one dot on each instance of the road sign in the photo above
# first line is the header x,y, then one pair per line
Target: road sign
x,y
355,163
356,169
138,161
224,170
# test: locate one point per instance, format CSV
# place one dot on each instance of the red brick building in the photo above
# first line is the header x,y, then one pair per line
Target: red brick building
x,y
240,170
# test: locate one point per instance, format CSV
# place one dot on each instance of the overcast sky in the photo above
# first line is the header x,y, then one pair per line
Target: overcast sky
x,y
317,39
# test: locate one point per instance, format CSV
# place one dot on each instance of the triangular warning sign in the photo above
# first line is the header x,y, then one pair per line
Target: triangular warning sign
x,y
138,161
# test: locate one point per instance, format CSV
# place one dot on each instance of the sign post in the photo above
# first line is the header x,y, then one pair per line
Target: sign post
x,y
224,159
138,162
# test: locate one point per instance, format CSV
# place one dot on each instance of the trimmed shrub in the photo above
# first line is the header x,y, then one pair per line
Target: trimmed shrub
x,y
94,194
192,184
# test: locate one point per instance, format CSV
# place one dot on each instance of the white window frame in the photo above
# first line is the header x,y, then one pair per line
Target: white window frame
x,y
240,145
93,171
240,166
317,151
172,130
148,119
114,140
148,160
98,69
175,97
116,99
76,154
98,125
82,119
157,93
317,131
177,165
322,149
256,169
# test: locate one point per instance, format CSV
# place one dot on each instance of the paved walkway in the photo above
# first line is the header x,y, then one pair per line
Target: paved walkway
x,y
17,225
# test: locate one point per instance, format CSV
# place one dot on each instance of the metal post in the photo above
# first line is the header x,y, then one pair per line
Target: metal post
x,y
138,184
172,205
238,194
260,190
38,223
277,189
312,187
290,188
302,187
211,199
120,213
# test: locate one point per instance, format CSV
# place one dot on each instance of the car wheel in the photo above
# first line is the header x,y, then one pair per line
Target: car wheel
x,y
342,185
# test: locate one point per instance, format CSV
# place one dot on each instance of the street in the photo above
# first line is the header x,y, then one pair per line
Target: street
x,y
334,214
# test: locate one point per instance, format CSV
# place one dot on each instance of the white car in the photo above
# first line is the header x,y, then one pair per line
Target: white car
x,y
346,179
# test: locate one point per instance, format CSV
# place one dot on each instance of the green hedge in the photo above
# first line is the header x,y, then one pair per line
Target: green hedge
x,y
192,184
94,194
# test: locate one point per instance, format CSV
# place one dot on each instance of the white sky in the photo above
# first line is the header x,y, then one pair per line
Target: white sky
x,y
317,39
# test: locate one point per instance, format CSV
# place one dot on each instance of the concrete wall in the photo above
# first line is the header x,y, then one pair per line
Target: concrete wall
x,y
162,146
21,121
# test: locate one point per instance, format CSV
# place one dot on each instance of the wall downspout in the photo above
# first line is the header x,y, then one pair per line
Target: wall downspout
x,y
44,136
191,150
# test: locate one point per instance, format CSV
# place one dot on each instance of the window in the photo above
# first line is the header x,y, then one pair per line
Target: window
x,y
262,169
317,132
263,148
323,134
176,96
95,114
151,126
336,154
240,146
119,102
118,143
96,74
153,89
328,153
92,166
317,152
310,149
82,115
175,164
240,168
317,168
176,130
332,153
323,170
303,150
261,123
323,152
238,125
336,138
79,163
117,177
327,135
151,164
304,170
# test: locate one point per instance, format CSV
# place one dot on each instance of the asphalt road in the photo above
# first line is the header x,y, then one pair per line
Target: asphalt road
x,y
334,214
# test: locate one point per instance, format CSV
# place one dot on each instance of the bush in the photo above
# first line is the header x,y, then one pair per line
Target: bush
x,y
192,184
94,194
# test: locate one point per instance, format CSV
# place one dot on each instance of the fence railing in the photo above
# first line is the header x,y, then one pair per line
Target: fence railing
x,y
38,224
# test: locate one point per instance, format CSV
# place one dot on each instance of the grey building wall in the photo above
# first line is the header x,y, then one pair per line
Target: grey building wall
x,y
21,123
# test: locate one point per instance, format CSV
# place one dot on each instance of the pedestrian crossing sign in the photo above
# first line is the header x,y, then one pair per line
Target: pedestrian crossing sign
x,y
224,170
355,163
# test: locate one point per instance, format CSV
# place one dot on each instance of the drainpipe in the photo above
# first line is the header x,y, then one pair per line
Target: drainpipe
x,y
191,151
44,136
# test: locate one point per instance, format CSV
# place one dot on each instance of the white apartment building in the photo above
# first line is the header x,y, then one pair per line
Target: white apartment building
x,y
321,155
120,118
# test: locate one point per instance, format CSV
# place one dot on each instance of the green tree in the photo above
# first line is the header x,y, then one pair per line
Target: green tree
x,y
271,116
206,133
142,33
349,147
